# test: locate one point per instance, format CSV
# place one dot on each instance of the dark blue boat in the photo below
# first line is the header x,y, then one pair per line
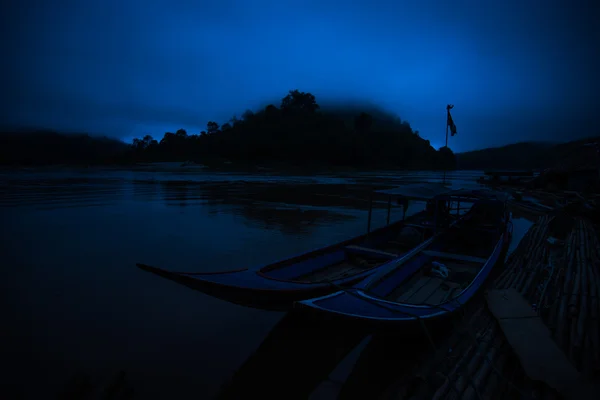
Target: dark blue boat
x,y
278,285
436,279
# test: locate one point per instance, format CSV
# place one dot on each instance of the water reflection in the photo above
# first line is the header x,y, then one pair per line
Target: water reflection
x,y
147,191
299,358
177,193
63,192
291,221
386,357
317,195
75,297
295,357
290,208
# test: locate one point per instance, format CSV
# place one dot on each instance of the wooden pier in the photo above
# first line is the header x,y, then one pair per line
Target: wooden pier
x,y
552,279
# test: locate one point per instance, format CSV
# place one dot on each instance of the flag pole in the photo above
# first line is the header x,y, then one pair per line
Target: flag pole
x,y
447,111
446,133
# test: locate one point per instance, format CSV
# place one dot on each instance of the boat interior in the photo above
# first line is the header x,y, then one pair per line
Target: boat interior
x,y
377,248
397,239
442,270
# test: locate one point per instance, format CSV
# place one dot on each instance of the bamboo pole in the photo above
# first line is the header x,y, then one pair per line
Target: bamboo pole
x,y
471,333
475,363
495,380
577,319
477,384
455,381
594,331
561,329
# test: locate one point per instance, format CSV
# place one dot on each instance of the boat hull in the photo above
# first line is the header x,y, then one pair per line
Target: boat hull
x,y
250,289
360,306
264,289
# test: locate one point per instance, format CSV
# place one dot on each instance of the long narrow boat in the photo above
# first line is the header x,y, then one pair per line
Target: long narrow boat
x,y
437,278
278,285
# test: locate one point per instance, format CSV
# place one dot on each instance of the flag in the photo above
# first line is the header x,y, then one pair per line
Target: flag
x,y
450,122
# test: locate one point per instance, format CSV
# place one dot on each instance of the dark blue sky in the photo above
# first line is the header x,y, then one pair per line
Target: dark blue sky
x,y
515,70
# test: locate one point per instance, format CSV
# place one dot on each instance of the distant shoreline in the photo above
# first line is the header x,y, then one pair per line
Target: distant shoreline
x,y
202,168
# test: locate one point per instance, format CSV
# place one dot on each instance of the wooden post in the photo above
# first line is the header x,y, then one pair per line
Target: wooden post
x,y
389,209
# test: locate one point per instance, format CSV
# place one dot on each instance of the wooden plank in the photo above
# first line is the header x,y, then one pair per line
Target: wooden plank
x,y
420,282
510,307
451,294
531,340
440,295
452,256
426,291
418,226
375,251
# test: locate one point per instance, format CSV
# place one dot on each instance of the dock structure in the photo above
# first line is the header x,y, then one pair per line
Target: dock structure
x,y
540,202
533,334
506,178
508,174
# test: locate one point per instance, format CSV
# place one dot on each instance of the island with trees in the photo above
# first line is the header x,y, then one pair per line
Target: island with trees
x,y
297,134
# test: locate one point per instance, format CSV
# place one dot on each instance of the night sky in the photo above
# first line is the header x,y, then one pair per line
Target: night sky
x,y
515,70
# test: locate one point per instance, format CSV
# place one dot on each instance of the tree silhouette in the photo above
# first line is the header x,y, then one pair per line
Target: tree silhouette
x,y
363,122
271,110
247,115
298,133
233,121
212,127
446,157
297,101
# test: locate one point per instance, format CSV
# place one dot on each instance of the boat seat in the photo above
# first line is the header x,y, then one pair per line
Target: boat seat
x,y
425,291
375,252
418,226
451,256
483,228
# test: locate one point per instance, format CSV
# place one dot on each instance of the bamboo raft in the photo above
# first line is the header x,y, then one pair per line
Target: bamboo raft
x,y
556,268
539,203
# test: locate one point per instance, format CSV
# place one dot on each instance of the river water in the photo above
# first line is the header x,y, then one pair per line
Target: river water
x,y
75,302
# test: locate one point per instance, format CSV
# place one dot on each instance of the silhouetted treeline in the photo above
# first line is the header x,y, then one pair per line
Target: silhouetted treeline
x,y
530,155
47,147
297,133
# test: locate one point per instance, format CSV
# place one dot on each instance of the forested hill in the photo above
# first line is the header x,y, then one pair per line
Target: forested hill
x,y
528,155
45,147
296,133
524,155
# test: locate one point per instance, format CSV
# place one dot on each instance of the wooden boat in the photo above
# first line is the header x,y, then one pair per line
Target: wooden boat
x,y
437,278
276,286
